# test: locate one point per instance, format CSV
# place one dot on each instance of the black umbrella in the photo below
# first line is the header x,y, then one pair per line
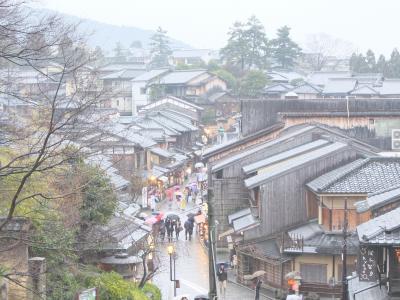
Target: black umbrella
x,y
190,215
173,217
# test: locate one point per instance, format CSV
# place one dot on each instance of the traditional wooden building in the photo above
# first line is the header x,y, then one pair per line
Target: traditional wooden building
x,y
369,120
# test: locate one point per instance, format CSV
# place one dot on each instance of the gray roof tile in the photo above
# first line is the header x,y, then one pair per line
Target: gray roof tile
x,y
368,176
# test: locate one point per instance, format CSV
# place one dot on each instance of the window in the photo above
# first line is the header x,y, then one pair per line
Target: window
x,y
142,91
313,273
219,174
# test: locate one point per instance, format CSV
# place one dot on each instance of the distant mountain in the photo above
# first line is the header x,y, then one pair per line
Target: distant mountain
x,y
106,35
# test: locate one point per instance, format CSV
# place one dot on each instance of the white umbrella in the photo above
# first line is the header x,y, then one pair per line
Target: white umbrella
x,y
254,275
199,165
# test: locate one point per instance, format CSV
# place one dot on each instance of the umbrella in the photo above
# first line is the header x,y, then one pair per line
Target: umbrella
x,y
151,221
143,215
199,165
173,217
254,275
190,215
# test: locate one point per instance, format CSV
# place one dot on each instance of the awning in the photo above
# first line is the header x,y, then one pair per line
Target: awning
x,y
163,178
238,214
226,233
245,223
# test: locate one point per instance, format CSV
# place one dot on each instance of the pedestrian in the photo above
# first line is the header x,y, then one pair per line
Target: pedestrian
x,y
183,204
258,283
178,228
162,230
188,229
222,278
234,263
169,228
153,202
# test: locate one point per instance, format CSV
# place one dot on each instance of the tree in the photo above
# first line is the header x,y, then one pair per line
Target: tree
x,y
231,80
285,51
253,84
393,67
118,50
160,48
358,63
381,65
370,60
247,45
321,46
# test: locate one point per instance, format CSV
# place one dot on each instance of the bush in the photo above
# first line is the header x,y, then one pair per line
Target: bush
x,y
112,286
153,291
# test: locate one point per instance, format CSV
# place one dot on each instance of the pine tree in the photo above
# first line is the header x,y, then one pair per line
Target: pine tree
x,y
393,67
247,45
371,61
285,51
118,49
381,65
257,43
160,48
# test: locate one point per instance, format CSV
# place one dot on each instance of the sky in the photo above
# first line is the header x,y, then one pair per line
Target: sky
x,y
205,23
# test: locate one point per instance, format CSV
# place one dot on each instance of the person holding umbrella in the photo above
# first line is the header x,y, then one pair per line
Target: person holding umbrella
x,y
257,282
222,278
189,228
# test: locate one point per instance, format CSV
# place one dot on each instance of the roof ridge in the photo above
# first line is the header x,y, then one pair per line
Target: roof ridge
x,y
346,173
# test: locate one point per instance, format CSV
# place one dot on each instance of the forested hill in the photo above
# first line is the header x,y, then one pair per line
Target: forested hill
x,y
107,35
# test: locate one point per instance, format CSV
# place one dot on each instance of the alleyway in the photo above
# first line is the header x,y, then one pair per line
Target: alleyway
x,y
191,262
191,266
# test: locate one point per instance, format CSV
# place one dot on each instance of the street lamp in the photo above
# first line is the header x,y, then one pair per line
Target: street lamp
x,y
171,253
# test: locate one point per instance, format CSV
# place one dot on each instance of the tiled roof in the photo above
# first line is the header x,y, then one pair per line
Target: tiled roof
x,y
378,199
384,229
284,155
306,88
363,177
328,178
364,90
161,152
390,87
292,163
321,78
123,74
255,149
181,77
264,248
339,85
151,75
277,88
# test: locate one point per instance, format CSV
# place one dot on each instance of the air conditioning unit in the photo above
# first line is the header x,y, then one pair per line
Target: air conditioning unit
x,y
396,139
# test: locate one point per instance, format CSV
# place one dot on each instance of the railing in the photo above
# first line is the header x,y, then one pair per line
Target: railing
x,y
321,289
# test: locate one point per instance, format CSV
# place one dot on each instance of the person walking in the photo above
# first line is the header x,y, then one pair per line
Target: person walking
x,y
188,229
222,279
169,227
258,283
178,229
162,230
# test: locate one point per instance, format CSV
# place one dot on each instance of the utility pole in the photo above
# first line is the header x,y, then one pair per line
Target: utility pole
x,y
344,254
211,247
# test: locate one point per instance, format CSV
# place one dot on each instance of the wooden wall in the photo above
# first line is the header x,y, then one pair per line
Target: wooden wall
x,y
284,198
259,114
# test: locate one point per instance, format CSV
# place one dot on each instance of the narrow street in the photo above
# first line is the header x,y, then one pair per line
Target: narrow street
x,y
191,266
191,261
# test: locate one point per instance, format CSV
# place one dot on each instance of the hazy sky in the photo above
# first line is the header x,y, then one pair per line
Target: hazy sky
x,y
204,23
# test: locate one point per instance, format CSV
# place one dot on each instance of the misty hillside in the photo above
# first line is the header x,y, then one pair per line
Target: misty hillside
x,y
107,35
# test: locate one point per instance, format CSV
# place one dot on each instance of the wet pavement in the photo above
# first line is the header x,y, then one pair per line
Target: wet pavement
x,y
191,261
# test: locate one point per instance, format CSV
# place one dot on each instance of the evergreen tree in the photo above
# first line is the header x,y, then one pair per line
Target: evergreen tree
x,y
363,66
285,51
118,50
370,60
253,84
393,69
257,43
160,48
381,65
353,62
247,45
